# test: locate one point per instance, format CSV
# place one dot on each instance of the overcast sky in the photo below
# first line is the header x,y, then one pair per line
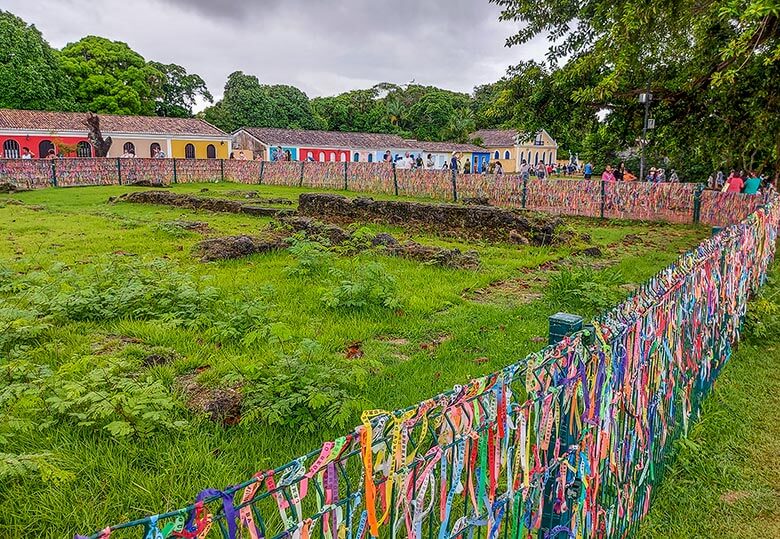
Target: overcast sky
x,y
323,47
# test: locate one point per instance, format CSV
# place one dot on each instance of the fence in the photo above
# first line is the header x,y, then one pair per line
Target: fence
x,y
678,203
568,442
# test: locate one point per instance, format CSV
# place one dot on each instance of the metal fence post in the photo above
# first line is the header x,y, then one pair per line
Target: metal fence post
x,y
525,188
395,179
555,520
697,203
53,173
119,169
346,164
603,197
175,177
454,185
262,168
300,180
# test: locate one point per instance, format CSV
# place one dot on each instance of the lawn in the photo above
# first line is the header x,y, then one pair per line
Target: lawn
x,y
106,312
723,481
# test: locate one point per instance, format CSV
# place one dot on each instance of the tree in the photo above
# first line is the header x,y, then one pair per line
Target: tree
x,y
246,102
108,76
178,90
697,59
30,72
431,115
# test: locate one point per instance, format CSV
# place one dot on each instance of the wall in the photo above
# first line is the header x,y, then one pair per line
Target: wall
x,y
242,140
178,145
142,146
293,153
479,161
329,155
509,165
33,142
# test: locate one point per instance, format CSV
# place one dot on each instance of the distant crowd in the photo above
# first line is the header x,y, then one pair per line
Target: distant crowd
x,y
748,183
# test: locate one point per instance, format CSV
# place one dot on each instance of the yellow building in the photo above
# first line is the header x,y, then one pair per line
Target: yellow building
x,y
510,147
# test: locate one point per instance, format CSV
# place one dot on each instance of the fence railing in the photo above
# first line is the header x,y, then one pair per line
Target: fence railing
x,y
678,203
567,442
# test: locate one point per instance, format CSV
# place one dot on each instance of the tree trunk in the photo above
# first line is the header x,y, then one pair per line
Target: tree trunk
x,y
101,145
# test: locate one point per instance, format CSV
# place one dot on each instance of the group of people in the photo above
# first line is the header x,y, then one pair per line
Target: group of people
x,y
27,154
622,174
748,183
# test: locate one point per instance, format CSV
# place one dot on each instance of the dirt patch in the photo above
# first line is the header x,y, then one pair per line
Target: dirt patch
x,y
232,247
476,201
471,221
148,183
434,343
733,496
221,404
6,188
395,341
165,198
14,202
257,197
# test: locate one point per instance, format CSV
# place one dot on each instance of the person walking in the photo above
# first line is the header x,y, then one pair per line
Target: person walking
x,y
524,170
499,169
588,170
734,184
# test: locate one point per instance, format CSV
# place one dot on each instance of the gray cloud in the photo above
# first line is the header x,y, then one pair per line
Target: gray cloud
x,y
323,47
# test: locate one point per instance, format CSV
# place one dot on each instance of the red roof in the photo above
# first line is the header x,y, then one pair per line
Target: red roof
x,y
109,123
496,138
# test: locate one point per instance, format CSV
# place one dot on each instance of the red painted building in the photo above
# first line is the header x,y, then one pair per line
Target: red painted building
x,y
11,146
323,155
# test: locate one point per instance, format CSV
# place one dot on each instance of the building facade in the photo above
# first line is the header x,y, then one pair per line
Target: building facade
x,y
142,136
511,148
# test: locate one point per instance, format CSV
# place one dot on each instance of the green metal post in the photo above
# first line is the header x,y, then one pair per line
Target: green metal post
x,y
175,177
262,168
603,197
454,185
346,163
300,180
525,189
395,179
53,173
119,169
697,203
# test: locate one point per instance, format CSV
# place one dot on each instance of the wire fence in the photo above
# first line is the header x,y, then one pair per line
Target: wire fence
x,y
670,202
567,442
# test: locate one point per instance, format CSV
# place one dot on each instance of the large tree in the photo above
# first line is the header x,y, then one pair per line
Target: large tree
x,y
30,72
246,102
712,67
109,76
177,90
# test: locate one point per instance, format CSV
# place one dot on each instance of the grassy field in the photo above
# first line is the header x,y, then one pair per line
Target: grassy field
x,y
93,431
724,480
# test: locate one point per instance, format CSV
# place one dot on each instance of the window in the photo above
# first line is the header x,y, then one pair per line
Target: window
x,y
154,149
309,156
332,156
544,154
495,155
370,158
356,157
44,148
211,152
83,149
322,157
10,149
129,147
506,154
536,158
189,151
539,141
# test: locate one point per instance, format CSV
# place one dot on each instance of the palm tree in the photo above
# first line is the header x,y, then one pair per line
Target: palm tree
x,y
395,111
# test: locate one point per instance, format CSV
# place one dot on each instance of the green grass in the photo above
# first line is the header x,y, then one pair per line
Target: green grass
x,y
120,479
723,480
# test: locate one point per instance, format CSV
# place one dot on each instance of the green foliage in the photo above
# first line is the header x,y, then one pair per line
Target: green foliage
x,y
311,257
178,90
14,466
246,102
306,391
19,327
92,392
369,285
245,322
108,76
762,320
30,73
584,289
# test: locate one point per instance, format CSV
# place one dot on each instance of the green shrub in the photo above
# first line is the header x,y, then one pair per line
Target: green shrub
x,y
311,257
305,391
19,327
13,466
584,289
369,285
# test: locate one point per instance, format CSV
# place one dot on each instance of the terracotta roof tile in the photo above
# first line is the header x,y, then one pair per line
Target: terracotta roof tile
x,y
109,123
496,138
